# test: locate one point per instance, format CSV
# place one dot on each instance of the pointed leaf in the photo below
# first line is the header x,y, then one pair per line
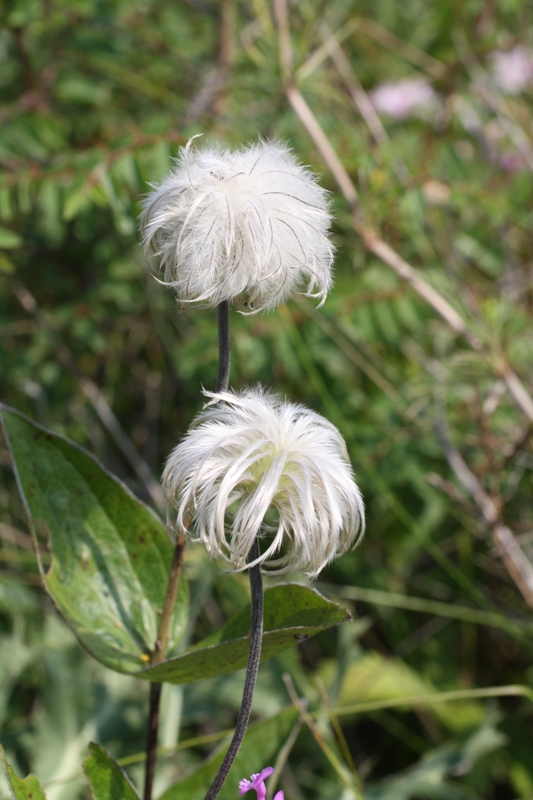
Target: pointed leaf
x,y
292,613
106,779
110,555
21,788
261,745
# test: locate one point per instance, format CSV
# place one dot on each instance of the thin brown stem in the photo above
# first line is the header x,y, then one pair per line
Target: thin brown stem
x,y
227,14
158,655
333,162
351,781
284,38
516,562
360,98
170,601
374,244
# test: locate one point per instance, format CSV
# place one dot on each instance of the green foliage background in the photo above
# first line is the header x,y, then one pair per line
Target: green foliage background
x,y
97,97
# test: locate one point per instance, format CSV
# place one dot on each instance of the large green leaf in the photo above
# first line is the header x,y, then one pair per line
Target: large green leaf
x,y
261,745
374,678
292,613
110,555
110,563
21,788
106,779
429,777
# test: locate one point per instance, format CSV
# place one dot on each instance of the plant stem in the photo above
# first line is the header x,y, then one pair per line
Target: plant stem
x,y
170,601
151,739
223,346
254,657
157,656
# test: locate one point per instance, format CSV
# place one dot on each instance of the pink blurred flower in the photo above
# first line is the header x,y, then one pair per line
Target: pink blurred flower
x,y
512,70
401,99
257,783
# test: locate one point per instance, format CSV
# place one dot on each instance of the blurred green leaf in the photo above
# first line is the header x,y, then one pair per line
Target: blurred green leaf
x,y
21,788
6,205
292,613
107,780
259,749
374,678
78,198
6,266
110,554
81,90
427,778
9,239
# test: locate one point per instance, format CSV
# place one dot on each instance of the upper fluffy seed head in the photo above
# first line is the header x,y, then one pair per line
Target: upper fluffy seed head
x,y
250,222
250,452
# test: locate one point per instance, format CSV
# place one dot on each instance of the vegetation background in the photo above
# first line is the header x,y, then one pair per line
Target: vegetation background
x,y
432,685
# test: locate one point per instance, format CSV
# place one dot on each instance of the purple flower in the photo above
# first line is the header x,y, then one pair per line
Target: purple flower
x,y
257,783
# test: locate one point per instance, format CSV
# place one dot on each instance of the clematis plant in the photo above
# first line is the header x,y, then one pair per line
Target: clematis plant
x,y
263,483
253,221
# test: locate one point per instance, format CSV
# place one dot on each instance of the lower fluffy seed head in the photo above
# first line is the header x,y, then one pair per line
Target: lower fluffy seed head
x,y
250,452
249,222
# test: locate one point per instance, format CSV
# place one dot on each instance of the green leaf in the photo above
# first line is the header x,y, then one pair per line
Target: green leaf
x,y
106,779
21,788
261,745
110,555
375,678
6,204
110,559
9,240
77,199
6,265
292,613
78,89
427,778
125,170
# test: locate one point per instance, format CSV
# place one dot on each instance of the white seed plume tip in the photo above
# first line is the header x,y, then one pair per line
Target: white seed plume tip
x,y
249,452
249,223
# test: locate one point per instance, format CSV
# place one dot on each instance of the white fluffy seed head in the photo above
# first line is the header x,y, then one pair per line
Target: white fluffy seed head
x,y
250,222
249,452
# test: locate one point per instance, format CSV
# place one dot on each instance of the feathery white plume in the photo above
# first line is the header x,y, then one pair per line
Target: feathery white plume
x,y
250,452
252,221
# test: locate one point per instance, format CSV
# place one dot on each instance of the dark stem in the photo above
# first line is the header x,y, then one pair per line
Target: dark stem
x,y
223,346
254,657
151,739
157,656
